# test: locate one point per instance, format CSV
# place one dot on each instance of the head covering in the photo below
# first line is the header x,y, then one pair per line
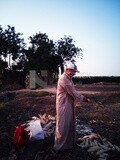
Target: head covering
x,y
72,66
75,68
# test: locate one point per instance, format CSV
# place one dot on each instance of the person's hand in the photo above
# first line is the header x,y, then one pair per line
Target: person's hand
x,y
85,99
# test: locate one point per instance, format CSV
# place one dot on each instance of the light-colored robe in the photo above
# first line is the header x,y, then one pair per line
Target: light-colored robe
x,y
65,113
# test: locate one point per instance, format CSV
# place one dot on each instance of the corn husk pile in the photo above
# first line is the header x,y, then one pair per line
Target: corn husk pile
x,y
97,146
48,124
94,144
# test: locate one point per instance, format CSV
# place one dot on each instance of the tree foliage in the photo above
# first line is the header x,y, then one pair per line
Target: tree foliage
x,y
67,49
41,48
11,45
42,53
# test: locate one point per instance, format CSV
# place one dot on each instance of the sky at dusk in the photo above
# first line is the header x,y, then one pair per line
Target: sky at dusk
x,y
94,25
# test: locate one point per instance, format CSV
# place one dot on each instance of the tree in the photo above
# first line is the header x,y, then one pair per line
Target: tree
x,y
11,45
3,48
40,50
3,65
41,55
66,48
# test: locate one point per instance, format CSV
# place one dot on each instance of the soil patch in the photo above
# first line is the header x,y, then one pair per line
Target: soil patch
x,y
101,113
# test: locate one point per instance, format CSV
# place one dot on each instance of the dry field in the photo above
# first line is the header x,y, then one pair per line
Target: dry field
x,y
101,113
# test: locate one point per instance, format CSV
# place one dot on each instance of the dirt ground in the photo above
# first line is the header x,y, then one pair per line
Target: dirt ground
x,y
101,113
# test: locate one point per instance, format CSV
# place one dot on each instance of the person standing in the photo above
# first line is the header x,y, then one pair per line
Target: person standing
x,y
65,109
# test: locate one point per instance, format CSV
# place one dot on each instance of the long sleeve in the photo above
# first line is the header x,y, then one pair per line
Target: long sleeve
x,y
68,85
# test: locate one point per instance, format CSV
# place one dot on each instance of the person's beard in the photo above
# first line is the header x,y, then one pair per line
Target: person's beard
x,y
71,75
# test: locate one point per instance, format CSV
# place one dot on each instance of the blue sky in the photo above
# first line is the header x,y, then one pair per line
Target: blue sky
x,y
94,25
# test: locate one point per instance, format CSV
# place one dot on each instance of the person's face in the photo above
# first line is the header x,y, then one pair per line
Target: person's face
x,y
70,72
